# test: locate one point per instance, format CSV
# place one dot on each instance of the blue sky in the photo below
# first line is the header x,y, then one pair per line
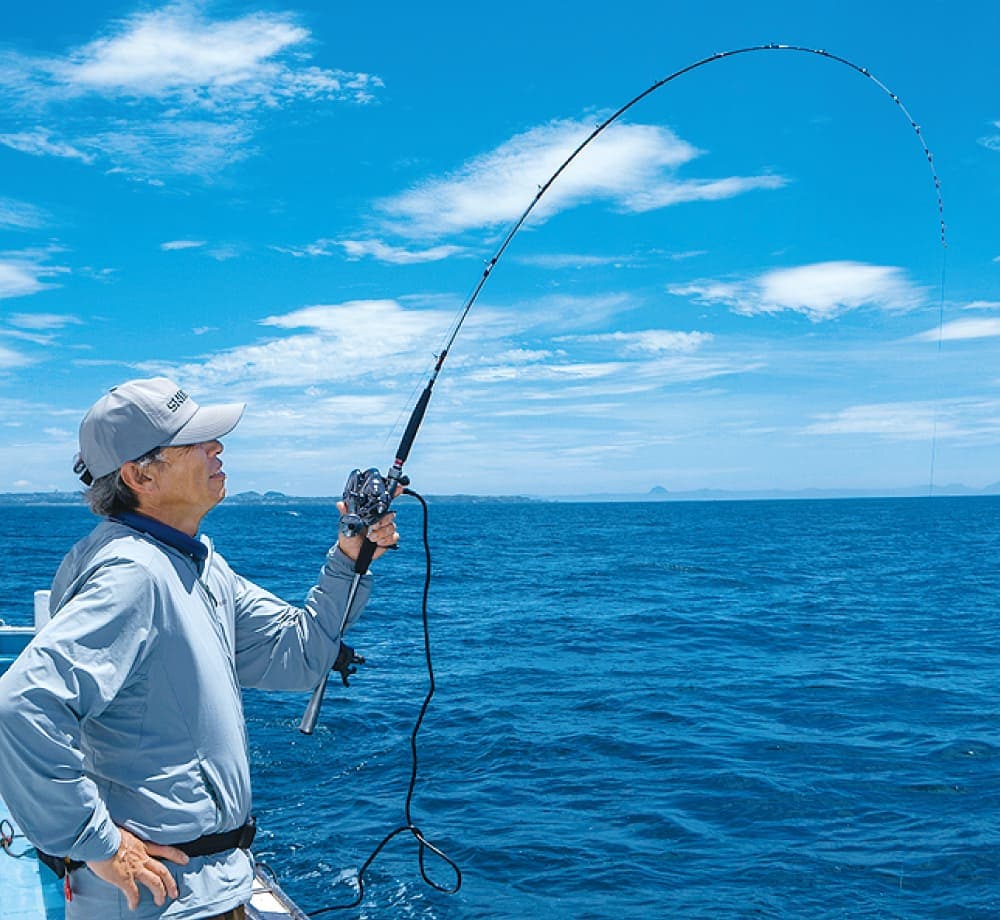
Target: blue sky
x,y
738,286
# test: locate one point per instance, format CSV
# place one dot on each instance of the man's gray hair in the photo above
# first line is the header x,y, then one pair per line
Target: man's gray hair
x,y
112,495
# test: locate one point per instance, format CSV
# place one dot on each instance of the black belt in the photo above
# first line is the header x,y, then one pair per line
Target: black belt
x,y
239,839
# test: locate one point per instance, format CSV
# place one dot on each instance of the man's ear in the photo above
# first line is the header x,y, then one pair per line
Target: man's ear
x,y
138,478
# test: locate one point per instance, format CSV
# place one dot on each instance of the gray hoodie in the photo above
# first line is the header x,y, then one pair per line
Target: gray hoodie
x,y
125,709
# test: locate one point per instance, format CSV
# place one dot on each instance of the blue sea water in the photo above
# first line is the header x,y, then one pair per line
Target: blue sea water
x,y
676,710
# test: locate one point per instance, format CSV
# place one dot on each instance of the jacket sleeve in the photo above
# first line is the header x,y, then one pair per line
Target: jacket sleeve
x,y
283,647
69,673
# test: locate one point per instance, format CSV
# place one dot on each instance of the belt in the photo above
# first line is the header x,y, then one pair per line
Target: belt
x,y
239,839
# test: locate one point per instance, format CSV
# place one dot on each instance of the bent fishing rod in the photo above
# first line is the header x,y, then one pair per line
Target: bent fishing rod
x,y
368,494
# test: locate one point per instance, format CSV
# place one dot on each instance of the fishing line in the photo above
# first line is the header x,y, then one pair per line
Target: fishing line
x,y
937,400
371,494
409,827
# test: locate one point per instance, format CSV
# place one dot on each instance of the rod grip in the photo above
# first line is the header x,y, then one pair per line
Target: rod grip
x,y
364,557
416,417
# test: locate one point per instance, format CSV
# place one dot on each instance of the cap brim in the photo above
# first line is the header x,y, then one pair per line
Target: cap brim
x,y
207,424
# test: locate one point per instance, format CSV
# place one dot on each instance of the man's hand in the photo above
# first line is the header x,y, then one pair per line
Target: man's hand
x,y
382,533
134,864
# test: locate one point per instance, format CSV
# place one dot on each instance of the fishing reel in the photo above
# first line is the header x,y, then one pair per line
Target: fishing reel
x,y
367,496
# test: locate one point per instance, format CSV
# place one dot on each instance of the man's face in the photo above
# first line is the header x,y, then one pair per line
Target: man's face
x,y
189,480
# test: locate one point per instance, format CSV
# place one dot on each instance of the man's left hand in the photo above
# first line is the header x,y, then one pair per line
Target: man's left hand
x,y
137,862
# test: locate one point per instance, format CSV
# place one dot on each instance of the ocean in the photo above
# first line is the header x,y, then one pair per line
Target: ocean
x,y
667,710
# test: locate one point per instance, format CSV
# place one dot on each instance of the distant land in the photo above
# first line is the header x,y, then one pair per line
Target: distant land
x,y
655,494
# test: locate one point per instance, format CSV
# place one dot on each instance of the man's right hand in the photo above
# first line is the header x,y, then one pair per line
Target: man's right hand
x,y
138,862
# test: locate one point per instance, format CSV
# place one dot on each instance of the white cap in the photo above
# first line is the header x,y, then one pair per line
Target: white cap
x,y
138,416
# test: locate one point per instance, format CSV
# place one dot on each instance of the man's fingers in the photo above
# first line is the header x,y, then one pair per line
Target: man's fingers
x,y
164,852
131,891
384,531
154,883
166,879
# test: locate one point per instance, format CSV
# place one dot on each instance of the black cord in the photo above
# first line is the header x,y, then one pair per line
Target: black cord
x,y
409,827
7,837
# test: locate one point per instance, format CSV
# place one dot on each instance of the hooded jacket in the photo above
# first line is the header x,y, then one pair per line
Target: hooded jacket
x,y
125,709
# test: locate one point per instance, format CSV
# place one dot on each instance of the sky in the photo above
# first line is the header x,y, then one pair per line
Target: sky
x,y
739,285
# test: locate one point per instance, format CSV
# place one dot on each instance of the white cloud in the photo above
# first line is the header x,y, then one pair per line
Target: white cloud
x,y
40,142
649,341
23,275
178,146
972,420
820,291
523,355
630,166
36,338
688,254
142,149
321,247
173,245
396,255
894,420
178,55
10,359
194,88
336,345
962,329
20,216
42,320
225,252
666,194
564,373
992,141
558,313
556,261
982,305
376,249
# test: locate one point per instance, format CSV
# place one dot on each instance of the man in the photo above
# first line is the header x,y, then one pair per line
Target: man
x,y
122,740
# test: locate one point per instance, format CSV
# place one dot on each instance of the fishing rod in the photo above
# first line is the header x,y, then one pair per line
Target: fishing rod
x,y
368,494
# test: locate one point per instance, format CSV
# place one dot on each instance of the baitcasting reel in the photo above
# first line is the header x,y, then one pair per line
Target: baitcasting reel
x,y
367,498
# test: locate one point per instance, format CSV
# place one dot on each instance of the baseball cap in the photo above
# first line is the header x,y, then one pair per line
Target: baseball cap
x,y
139,415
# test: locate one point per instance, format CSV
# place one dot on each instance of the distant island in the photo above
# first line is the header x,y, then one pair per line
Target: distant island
x,y
655,494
